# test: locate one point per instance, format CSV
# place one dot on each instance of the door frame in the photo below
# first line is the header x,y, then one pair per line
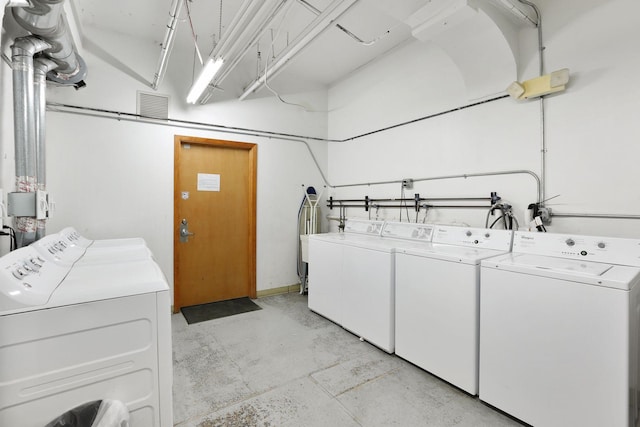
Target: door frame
x,y
253,163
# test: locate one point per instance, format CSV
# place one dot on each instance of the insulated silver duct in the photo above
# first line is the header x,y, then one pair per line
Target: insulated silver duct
x,y
22,52
42,66
46,19
59,62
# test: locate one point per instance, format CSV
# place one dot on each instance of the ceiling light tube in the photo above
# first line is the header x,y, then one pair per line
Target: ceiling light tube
x,y
318,26
206,75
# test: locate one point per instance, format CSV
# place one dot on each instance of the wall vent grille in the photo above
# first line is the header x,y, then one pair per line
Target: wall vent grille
x,y
153,105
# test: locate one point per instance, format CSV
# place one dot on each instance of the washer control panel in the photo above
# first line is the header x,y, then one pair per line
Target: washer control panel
x,y
363,226
614,250
74,238
28,279
408,230
484,238
59,249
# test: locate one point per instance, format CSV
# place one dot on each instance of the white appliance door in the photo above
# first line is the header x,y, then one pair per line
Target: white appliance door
x,y
368,295
437,318
325,278
554,352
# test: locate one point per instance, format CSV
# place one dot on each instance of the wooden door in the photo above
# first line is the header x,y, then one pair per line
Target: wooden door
x,y
215,194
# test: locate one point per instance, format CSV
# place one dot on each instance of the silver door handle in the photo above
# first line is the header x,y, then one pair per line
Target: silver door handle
x,y
184,231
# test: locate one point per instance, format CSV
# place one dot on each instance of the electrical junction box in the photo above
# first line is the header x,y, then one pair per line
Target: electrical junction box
x,y
21,204
407,183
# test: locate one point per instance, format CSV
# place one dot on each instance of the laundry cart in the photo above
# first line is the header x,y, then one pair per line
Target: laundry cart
x,y
75,334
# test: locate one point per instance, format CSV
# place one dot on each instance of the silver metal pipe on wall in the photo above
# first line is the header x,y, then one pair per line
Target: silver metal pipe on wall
x,y
466,175
42,66
58,62
591,215
22,52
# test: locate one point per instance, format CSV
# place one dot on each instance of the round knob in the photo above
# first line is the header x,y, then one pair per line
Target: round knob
x,y
602,245
570,242
487,235
468,233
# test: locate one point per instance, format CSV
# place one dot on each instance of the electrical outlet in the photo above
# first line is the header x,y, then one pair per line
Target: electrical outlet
x,y
407,183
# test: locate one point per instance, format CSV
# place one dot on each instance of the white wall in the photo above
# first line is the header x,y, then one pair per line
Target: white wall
x,y
591,129
115,178
112,178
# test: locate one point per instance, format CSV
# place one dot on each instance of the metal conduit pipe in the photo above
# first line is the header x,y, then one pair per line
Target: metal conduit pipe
x,y
46,19
22,52
590,215
167,44
543,139
42,66
466,175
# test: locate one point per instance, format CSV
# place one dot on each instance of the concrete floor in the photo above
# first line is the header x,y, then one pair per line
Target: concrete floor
x,y
286,366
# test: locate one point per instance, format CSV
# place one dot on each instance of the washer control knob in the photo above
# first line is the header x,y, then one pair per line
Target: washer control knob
x,y
487,235
19,273
468,233
602,245
570,242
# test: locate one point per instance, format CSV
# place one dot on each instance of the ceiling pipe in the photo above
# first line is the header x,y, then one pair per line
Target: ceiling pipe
x,y
167,44
46,19
22,52
318,26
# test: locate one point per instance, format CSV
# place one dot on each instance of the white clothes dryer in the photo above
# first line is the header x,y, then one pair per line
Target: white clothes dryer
x,y
437,301
560,330
76,334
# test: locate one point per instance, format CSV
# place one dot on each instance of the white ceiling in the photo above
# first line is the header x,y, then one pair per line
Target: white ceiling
x,y
326,60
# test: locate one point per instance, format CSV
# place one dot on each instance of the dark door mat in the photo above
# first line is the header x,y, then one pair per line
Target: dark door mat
x,y
215,310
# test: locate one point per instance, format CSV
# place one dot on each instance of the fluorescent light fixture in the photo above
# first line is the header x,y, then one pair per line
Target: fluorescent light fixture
x,y
540,86
211,67
314,29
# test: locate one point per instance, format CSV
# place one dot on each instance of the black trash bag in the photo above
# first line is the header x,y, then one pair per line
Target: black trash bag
x,y
99,413
80,416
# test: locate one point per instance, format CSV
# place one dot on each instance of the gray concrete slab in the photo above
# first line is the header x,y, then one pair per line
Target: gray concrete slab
x,y
287,366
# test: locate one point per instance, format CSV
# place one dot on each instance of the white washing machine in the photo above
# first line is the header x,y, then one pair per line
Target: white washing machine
x,y
437,301
559,330
361,271
326,266
72,335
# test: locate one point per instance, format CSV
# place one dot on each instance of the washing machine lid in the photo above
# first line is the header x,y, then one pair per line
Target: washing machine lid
x,y
71,236
583,268
107,281
106,255
575,270
460,254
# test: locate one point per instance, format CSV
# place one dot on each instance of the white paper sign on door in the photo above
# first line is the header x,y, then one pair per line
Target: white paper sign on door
x,y
208,182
